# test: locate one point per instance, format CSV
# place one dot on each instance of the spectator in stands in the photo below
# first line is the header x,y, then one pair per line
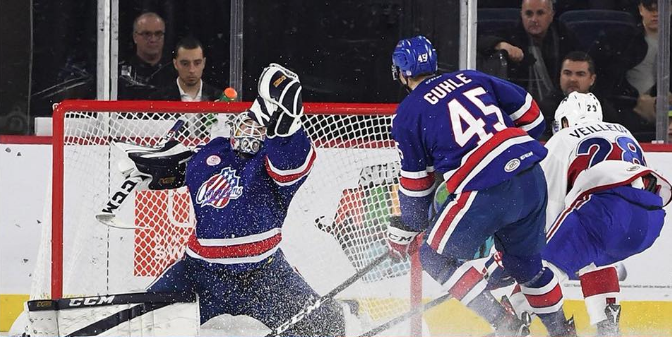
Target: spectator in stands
x,y
534,48
149,67
634,93
577,73
189,62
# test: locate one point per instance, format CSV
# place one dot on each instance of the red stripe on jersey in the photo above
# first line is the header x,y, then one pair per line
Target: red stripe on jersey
x,y
548,299
466,283
241,250
477,156
446,222
419,184
281,178
558,221
599,282
529,116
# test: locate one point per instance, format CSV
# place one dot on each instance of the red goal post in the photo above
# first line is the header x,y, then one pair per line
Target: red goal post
x,y
338,216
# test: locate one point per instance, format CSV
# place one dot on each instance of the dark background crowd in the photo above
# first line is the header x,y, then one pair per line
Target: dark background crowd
x,y
341,49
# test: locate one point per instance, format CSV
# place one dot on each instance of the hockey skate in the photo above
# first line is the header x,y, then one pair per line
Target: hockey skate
x,y
609,327
511,325
567,330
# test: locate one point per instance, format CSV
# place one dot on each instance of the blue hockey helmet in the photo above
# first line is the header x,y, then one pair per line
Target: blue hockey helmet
x,y
413,57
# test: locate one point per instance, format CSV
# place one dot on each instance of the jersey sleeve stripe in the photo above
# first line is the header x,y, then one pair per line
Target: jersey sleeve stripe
x,y
417,184
531,115
415,194
418,174
288,177
476,160
524,108
532,124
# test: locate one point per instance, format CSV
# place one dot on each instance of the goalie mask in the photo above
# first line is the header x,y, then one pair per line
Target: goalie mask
x,y
576,109
247,136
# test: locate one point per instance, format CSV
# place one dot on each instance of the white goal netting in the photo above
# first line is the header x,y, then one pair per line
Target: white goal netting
x,y
335,225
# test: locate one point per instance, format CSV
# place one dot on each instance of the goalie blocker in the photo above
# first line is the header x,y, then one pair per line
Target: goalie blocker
x,y
136,314
165,166
147,167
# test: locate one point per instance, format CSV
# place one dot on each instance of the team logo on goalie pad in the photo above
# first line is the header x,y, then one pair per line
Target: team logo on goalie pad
x,y
220,189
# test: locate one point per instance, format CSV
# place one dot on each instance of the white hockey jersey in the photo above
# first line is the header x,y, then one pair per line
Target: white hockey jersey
x,y
587,158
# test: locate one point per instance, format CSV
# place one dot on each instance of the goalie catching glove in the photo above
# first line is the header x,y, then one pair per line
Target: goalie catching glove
x,y
166,166
401,239
279,106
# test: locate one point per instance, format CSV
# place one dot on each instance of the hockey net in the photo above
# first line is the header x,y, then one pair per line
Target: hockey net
x,y
335,226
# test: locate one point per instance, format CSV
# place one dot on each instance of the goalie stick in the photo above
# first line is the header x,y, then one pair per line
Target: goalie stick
x,y
107,215
317,303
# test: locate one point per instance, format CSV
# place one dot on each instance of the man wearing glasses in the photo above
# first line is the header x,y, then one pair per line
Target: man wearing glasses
x,y
148,68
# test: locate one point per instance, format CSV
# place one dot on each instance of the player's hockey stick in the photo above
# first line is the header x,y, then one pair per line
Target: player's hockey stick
x,y
107,214
415,311
316,304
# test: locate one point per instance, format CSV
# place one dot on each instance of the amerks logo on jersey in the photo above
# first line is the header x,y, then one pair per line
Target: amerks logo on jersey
x,y
219,189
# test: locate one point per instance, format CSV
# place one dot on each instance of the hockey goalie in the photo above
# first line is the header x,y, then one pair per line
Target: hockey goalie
x,y
240,187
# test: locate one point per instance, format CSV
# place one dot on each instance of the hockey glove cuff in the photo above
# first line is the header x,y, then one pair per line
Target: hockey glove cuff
x,y
401,239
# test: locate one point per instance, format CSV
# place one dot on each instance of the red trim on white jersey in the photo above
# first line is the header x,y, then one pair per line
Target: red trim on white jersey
x,y
289,177
558,221
613,173
479,158
246,249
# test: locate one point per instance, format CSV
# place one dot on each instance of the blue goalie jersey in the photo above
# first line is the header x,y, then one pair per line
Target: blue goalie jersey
x,y
474,129
241,202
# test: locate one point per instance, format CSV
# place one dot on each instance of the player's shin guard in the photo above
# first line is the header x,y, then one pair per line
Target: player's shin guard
x,y
602,296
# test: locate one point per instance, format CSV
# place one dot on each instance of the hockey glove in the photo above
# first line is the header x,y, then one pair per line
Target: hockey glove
x,y
166,166
281,87
401,239
261,111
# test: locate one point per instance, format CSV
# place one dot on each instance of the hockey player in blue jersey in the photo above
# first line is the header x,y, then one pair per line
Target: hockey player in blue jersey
x,y
476,131
241,188
604,205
